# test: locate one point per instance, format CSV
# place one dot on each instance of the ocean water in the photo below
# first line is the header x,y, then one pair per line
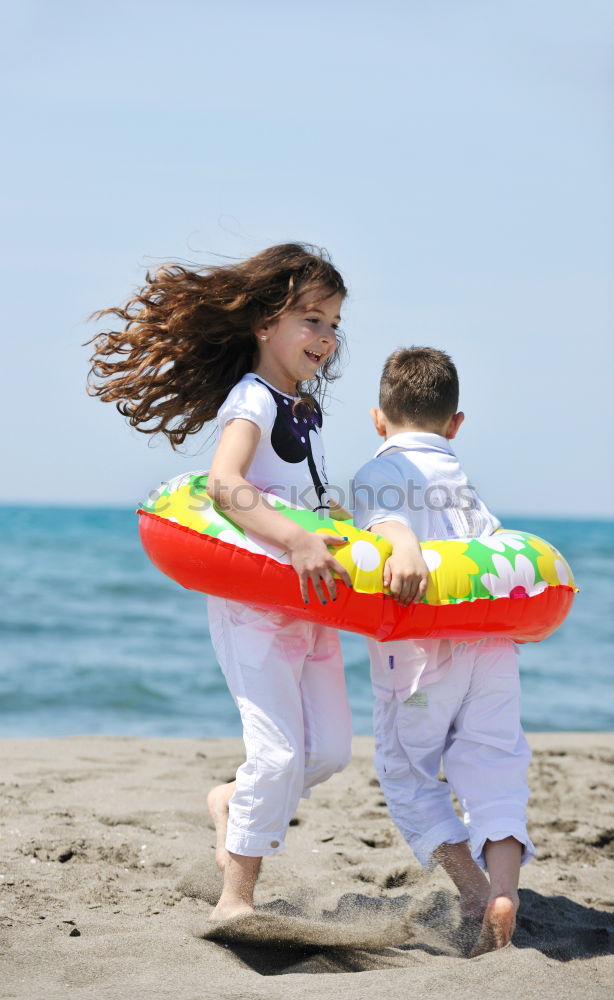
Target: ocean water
x,y
93,639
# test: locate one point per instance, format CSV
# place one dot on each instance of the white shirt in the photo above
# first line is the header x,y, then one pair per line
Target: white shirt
x,y
289,458
415,478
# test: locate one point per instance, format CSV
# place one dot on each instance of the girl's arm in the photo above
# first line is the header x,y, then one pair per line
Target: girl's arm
x,y
244,504
405,571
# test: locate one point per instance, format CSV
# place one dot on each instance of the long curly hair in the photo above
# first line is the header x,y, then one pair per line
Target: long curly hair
x,y
187,336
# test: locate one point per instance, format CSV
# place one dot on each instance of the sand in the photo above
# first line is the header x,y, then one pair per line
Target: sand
x,y
107,879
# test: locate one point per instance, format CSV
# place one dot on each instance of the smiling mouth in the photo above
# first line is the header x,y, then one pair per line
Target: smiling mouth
x,y
313,356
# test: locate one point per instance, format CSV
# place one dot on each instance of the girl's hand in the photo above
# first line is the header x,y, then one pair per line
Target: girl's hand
x,y
312,561
406,574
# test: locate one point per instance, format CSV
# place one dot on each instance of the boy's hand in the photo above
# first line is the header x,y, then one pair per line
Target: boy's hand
x,y
405,571
406,574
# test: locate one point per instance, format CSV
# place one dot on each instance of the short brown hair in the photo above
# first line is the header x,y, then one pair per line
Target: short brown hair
x,y
419,385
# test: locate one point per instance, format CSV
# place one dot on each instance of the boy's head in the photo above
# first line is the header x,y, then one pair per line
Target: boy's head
x,y
419,392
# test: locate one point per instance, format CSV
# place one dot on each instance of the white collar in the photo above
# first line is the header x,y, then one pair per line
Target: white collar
x,y
415,441
259,378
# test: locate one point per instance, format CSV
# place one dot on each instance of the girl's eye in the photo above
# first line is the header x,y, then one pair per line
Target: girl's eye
x,y
316,319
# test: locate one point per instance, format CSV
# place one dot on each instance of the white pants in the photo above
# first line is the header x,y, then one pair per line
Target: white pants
x,y
286,678
470,717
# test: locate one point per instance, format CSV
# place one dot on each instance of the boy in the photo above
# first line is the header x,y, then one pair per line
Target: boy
x,y
442,698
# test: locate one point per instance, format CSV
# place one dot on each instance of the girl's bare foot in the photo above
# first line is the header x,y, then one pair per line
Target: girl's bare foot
x,y
497,927
240,874
217,804
228,912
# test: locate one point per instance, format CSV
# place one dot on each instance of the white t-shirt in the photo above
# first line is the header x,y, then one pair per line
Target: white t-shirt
x,y
289,458
415,478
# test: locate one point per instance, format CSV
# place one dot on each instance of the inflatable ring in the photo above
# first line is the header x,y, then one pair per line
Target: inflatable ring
x,y
509,584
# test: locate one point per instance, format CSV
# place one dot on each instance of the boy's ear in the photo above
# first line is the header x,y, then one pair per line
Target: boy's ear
x,y
454,425
378,421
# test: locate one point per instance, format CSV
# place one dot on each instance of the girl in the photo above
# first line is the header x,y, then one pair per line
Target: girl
x,y
253,344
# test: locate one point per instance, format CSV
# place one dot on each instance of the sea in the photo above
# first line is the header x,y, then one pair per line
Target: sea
x,y
93,639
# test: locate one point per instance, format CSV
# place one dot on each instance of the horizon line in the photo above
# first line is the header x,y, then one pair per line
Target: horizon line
x,y
604,516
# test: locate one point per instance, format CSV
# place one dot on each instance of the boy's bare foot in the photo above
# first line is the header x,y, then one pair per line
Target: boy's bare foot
x,y
217,804
473,903
497,927
468,877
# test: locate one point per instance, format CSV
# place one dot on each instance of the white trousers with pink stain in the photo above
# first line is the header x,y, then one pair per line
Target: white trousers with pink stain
x,y
470,719
286,678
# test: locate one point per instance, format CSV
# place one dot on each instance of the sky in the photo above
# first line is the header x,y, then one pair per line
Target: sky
x,y
454,157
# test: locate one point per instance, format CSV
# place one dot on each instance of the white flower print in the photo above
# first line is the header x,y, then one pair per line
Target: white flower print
x,y
562,571
499,541
432,559
240,541
512,580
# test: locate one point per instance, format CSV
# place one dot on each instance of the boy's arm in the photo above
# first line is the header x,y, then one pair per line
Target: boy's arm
x,y
338,513
405,571
381,506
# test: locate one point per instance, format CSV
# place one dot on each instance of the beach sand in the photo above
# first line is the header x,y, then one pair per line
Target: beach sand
x,y
107,878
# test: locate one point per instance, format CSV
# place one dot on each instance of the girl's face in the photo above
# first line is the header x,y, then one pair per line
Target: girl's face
x,y
293,347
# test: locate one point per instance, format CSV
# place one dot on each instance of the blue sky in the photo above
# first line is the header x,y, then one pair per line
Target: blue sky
x,y
455,158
